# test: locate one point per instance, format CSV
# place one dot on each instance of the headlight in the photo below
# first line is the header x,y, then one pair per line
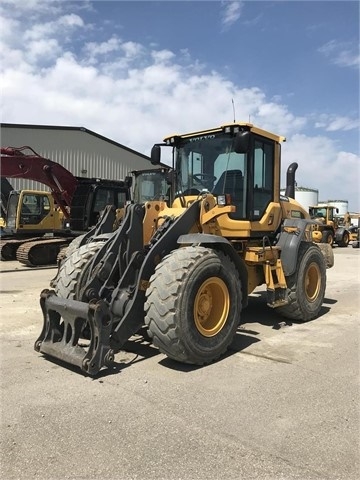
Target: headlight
x,y
221,200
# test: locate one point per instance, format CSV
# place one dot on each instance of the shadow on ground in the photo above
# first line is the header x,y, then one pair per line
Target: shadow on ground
x,y
255,315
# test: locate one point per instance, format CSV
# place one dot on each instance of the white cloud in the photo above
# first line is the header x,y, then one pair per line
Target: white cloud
x,y
343,54
31,10
38,43
71,20
60,26
31,7
136,94
322,166
286,121
162,56
333,123
232,12
93,50
43,49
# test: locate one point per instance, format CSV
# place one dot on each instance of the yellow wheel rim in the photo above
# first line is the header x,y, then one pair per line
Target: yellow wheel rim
x,y
211,307
312,282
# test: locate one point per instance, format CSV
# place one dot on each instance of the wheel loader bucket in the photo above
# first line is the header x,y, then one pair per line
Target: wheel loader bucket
x,y
75,332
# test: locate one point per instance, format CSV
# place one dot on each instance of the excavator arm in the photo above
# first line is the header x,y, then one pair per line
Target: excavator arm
x,y
6,188
24,162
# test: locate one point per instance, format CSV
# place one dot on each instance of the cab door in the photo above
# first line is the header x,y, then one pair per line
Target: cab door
x,y
36,212
261,191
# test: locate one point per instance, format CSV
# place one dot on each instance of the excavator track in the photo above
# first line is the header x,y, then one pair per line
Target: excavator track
x,y
41,252
9,247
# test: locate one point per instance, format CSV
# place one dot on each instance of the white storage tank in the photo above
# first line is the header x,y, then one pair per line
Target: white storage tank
x,y
341,205
307,197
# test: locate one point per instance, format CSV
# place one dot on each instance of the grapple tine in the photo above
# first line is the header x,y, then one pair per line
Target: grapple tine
x,y
62,335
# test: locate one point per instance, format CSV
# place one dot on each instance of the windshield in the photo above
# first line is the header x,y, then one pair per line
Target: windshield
x,y
320,212
208,163
151,185
12,209
109,196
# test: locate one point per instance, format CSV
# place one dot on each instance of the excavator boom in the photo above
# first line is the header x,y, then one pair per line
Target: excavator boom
x,y
81,201
16,163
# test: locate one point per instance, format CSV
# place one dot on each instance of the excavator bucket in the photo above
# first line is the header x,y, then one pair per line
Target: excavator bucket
x,y
75,332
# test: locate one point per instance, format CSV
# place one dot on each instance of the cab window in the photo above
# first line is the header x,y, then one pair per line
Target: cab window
x,y
34,208
263,176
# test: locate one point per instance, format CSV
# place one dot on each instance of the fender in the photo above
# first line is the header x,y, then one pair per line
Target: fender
x,y
339,233
293,232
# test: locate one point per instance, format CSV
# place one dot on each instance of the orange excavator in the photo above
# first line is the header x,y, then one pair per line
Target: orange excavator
x,y
38,224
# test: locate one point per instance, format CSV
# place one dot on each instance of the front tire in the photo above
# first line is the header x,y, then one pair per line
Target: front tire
x,y
328,237
306,287
68,279
73,245
193,305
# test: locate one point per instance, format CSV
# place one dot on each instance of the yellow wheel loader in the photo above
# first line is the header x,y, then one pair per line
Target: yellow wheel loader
x,y
328,225
184,269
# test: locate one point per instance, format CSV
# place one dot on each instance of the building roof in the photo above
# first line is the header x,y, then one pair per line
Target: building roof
x,y
77,129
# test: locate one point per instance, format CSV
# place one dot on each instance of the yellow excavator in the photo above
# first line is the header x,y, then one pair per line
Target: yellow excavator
x,y
184,269
31,211
38,224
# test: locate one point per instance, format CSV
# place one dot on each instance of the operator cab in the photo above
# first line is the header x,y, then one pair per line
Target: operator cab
x,y
26,209
236,163
151,185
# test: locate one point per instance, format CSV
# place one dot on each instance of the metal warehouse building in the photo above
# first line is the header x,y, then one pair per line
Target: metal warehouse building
x,y
83,152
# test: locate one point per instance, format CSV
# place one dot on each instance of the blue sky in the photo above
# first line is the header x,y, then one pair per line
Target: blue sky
x,y
136,71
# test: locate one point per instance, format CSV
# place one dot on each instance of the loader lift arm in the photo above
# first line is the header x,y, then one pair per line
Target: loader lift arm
x,y
119,313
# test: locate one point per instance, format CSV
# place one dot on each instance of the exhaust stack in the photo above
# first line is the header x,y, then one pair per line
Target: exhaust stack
x,y
290,180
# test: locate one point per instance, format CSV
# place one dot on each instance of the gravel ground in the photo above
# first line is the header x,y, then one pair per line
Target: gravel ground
x,y
282,404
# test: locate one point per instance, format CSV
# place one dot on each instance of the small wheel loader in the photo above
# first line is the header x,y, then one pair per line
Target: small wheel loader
x,y
328,225
184,269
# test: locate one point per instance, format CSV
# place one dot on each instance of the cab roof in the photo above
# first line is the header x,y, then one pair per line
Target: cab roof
x,y
249,126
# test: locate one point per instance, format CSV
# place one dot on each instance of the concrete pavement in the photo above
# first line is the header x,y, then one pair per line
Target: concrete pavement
x,y
282,404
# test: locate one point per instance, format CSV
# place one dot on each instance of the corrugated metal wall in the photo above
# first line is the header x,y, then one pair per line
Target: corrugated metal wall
x,y
82,152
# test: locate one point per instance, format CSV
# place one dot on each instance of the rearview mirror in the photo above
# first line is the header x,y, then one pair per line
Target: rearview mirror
x,y
242,142
155,155
128,181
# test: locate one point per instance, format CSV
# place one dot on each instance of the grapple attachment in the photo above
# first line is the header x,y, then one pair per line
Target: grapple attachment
x,y
75,332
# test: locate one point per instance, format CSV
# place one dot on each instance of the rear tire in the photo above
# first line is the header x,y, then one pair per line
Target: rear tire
x,y
193,305
306,287
345,240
